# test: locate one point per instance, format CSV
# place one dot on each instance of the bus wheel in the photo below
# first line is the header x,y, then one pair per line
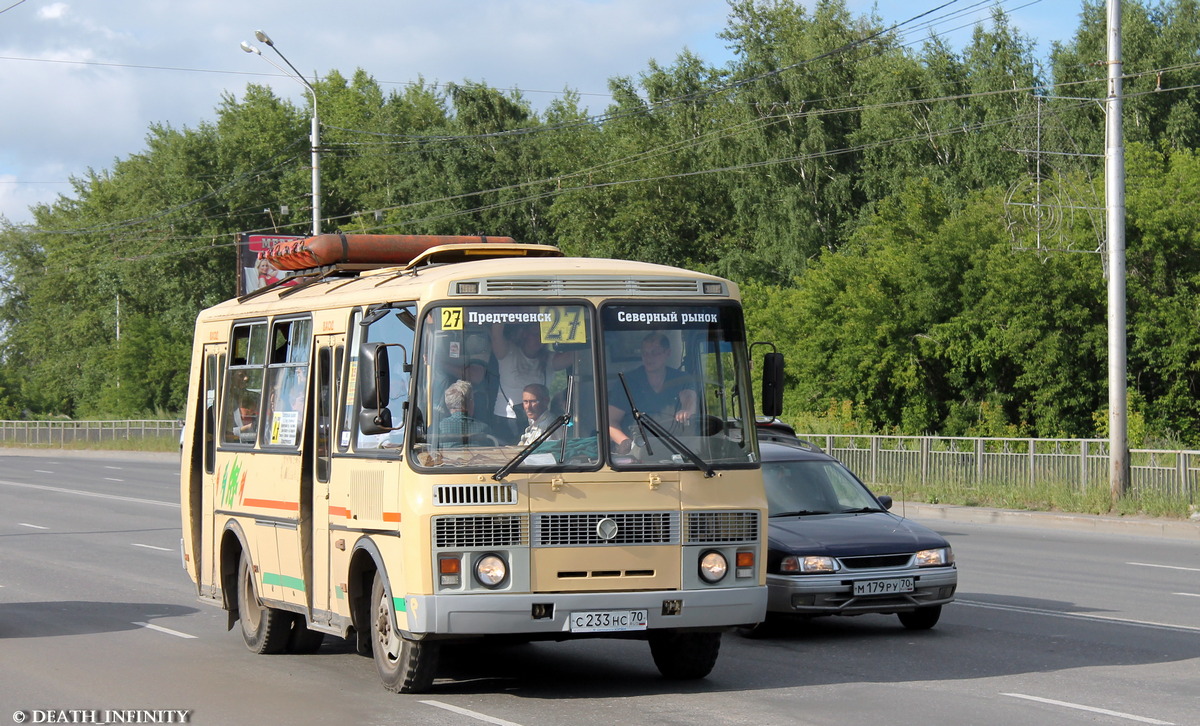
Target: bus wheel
x,y
685,656
264,629
302,639
404,665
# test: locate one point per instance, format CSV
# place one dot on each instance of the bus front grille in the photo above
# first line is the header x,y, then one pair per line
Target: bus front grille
x,y
467,532
722,527
599,529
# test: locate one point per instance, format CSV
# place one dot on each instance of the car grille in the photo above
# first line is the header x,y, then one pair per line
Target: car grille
x,y
632,528
875,562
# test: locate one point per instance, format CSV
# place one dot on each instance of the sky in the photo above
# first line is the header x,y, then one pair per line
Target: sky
x,y
83,81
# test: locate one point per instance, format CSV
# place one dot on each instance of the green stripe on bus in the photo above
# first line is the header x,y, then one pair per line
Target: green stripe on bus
x,y
399,604
294,583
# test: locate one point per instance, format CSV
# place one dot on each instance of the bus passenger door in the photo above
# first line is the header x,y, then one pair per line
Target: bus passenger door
x,y
207,424
330,350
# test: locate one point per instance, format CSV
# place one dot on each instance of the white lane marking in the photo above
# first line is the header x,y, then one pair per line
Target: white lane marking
x,y
42,471
471,714
89,494
118,468
109,478
32,526
1081,616
152,547
1092,709
168,631
1187,594
1165,567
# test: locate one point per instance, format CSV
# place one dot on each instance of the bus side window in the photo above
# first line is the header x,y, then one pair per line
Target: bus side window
x,y
287,381
244,384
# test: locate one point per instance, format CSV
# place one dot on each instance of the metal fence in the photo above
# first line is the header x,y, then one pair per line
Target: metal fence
x,y
81,433
1081,463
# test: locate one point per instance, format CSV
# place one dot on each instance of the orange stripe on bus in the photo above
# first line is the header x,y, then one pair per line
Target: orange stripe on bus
x,y
391,516
272,504
339,512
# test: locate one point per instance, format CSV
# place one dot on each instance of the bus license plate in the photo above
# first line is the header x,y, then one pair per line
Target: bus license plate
x,y
607,621
883,587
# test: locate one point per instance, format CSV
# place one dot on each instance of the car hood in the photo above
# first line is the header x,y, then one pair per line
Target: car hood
x,y
849,535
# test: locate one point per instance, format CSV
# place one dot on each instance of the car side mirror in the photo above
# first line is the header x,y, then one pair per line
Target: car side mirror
x,y
886,501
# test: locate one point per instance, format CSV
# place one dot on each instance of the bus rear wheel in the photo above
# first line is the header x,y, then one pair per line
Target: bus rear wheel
x,y
264,629
685,656
404,665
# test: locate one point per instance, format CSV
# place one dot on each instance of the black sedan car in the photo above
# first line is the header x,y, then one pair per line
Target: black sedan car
x,y
835,549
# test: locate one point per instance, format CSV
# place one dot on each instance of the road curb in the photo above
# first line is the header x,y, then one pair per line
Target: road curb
x,y
1101,524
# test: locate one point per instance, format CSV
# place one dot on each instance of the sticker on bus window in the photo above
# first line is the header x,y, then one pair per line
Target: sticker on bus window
x,y
563,324
452,318
284,426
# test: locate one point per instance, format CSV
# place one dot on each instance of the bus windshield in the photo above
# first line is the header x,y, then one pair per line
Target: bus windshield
x,y
674,386
494,379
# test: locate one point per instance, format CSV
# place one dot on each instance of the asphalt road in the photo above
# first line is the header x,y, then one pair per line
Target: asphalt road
x,y
1052,626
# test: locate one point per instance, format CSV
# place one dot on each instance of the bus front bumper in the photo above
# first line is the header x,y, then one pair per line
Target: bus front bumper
x,y
550,613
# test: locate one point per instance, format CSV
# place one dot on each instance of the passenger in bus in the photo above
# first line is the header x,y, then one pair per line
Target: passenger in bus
x,y
460,428
665,393
245,417
536,401
522,359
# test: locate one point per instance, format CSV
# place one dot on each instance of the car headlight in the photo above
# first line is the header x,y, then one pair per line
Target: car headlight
x,y
713,566
809,564
939,557
490,570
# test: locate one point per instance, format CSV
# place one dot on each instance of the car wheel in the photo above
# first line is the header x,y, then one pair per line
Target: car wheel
x,y
765,629
921,618
685,656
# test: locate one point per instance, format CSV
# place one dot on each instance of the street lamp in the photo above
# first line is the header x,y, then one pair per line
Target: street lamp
x,y
315,138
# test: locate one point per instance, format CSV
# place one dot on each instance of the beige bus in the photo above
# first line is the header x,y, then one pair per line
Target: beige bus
x,y
427,439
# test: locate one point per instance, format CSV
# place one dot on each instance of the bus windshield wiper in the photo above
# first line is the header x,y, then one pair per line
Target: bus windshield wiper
x,y
555,425
646,421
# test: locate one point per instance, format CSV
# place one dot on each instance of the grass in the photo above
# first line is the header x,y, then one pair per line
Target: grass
x,y
150,443
1043,496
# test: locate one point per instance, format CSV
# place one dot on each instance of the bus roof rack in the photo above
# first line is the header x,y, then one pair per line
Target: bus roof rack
x,y
355,253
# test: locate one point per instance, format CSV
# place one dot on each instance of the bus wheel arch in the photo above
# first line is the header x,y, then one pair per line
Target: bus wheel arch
x,y
364,563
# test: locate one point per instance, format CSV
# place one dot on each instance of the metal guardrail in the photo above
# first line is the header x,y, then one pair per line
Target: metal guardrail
x,y
70,433
1081,463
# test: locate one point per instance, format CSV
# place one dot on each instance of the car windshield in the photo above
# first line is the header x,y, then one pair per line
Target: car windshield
x,y
796,488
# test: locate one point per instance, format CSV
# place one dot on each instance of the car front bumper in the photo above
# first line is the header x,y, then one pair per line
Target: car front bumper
x,y
833,594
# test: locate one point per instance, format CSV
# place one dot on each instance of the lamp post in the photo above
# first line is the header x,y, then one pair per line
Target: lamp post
x,y
315,137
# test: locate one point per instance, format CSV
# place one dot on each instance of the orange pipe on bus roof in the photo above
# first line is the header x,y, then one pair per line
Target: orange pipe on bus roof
x,y
383,249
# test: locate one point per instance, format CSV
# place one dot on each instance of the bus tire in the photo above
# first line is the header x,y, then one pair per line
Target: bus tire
x,y
264,629
303,640
685,656
404,665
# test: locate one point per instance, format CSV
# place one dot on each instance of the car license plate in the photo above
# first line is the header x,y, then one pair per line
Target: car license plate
x,y
607,621
884,587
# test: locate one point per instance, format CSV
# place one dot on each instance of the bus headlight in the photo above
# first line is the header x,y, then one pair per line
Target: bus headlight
x,y
491,570
713,566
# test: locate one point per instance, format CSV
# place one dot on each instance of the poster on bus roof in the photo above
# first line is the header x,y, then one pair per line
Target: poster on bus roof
x,y
254,273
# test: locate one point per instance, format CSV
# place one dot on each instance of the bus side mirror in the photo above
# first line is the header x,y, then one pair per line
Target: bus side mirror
x,y
772,385
374,379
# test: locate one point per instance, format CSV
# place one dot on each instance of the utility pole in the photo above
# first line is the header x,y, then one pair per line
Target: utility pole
x,y
1114,193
